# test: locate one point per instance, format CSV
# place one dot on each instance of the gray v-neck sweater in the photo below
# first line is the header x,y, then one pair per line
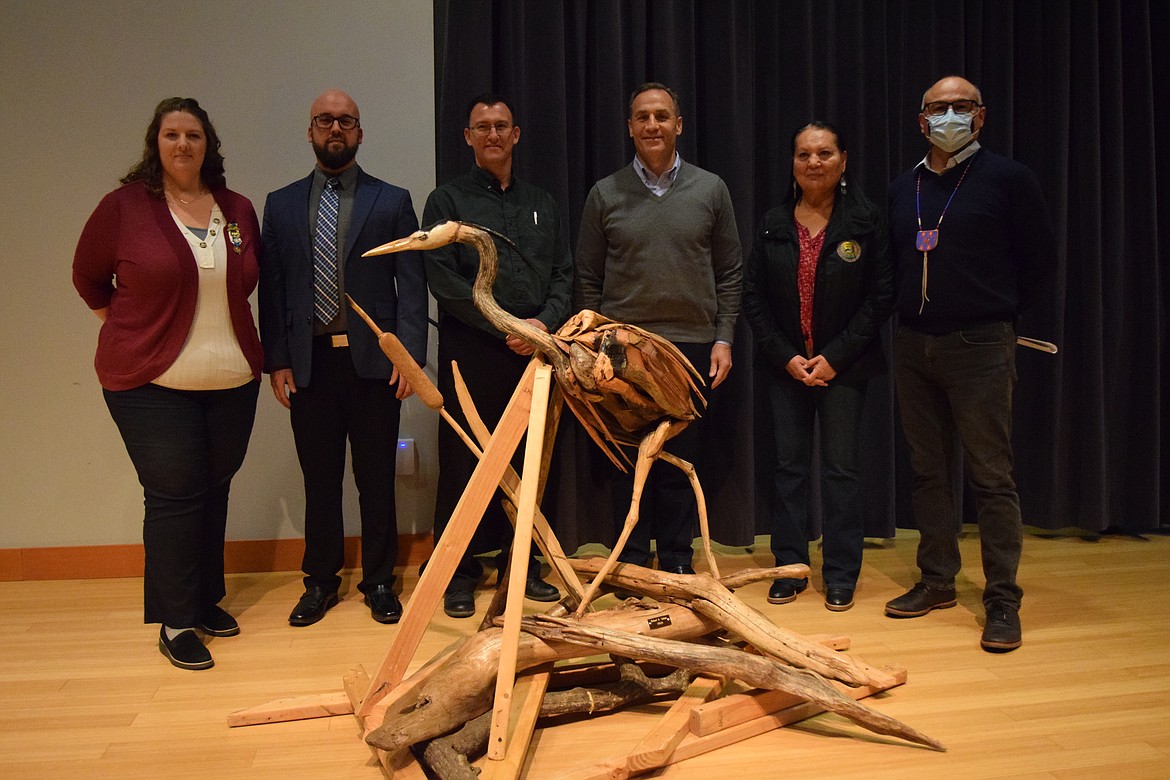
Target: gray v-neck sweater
x,y
669,263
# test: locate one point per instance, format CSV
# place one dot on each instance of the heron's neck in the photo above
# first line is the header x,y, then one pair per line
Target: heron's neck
x,y
481,294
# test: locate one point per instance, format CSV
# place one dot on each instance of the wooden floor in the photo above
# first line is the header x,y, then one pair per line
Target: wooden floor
x,y
85,693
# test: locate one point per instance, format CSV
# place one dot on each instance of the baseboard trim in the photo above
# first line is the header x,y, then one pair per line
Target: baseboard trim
x,y
126,560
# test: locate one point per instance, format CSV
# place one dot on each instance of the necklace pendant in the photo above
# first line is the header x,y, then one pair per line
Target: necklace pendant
x,y
926,240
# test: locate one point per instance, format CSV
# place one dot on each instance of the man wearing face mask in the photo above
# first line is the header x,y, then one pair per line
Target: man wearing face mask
x,y
971,244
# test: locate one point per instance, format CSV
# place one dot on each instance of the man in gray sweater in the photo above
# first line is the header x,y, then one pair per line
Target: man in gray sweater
x,y
658,248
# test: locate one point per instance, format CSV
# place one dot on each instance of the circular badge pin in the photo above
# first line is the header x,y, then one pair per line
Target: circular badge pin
x,y
849,251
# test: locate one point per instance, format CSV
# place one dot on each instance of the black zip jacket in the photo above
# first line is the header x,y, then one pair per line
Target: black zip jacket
x,y
852,297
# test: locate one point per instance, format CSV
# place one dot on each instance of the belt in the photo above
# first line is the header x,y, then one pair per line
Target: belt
x,y
336,339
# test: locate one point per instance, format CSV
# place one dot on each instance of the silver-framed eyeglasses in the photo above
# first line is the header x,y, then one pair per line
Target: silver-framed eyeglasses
x,y
939,107
325,121
484,129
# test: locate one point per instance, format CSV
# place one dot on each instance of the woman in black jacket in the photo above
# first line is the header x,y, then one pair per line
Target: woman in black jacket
x,y
818,287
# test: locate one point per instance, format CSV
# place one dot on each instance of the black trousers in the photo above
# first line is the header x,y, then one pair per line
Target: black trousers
x,y
335,406
668,512
491,372
186,446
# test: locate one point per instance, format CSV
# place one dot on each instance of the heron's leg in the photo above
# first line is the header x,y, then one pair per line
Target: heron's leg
x,y
648,451
700,502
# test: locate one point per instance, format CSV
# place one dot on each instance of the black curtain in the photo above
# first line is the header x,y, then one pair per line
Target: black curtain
x,y
1075,90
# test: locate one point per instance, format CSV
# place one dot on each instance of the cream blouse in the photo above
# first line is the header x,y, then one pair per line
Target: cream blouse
x,y
211,359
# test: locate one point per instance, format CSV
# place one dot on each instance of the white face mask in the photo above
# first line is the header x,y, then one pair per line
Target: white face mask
x,y
950,131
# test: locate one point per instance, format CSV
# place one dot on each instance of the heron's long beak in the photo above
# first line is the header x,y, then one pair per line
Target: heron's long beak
x,y
400,245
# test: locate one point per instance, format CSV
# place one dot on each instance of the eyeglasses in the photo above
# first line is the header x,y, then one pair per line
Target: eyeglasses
x,y
325,122
939,107
483,129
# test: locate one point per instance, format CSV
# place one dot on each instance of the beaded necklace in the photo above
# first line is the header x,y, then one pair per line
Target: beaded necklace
x,y
928,239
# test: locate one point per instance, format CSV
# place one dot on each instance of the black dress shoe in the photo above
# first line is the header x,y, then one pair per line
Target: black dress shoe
x,y
838,599
312,606
217,622
919,600
459,603
680,570
1001,634
383,604
784,591
539,590
185,651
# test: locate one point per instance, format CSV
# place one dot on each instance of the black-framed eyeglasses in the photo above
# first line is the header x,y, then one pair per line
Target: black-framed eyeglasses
x,y
939,107
485,129
325,121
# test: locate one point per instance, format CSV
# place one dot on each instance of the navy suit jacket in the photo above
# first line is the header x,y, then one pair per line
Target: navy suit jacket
x,y
390,288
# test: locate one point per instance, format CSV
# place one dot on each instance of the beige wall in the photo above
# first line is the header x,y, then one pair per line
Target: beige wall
x,y
79,82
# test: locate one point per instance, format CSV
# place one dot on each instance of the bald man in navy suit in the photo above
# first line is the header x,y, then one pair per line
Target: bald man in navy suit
x,y
334,379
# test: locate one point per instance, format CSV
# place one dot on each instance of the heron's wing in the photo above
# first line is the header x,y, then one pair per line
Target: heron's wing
x,y
656,367
596,427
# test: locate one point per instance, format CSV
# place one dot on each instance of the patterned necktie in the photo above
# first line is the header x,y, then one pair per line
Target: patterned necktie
x,y
325,294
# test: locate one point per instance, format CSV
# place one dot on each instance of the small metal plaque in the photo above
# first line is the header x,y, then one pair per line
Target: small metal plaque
x,y
662,621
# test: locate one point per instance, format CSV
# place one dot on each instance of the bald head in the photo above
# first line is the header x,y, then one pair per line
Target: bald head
x,y
952,85
335,102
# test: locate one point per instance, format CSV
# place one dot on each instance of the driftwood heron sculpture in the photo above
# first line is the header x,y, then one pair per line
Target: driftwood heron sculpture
x,y
625,385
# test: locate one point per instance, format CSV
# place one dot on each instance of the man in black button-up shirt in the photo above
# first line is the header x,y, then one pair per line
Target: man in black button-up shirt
x,y
535,287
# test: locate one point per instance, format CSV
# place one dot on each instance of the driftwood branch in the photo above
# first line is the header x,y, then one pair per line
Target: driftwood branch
x,y
450,757
729,663
461,687
712,599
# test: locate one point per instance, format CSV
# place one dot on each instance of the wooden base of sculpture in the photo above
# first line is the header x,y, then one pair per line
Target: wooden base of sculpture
x,y
502,673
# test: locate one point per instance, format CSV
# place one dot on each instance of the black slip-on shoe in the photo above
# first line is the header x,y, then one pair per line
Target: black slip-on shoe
x,y
838,599
384,605
784,591
217,622
185,651
313,605
459,603
539,590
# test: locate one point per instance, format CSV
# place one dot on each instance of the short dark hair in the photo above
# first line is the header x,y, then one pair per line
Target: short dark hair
x,y
651,85
491,99
149,168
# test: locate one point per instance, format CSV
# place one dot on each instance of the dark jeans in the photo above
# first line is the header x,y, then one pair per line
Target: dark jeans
x,y
957,388
186,446
838,407
491,372
337,405
668,512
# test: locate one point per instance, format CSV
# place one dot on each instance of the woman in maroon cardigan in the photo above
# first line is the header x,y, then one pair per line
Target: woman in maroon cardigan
x,y
167,262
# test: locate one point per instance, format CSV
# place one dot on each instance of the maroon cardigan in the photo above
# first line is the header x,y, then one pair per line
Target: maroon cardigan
x,y
132,258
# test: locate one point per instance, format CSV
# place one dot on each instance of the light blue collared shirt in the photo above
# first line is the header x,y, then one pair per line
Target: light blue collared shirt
x,y
657,184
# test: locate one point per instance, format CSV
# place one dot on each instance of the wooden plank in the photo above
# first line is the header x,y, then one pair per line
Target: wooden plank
x,y
529,692
317,705
740,708
356,682
518,567
452,544
656,747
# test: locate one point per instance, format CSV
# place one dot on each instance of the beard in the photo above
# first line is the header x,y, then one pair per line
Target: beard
x,y
333,159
